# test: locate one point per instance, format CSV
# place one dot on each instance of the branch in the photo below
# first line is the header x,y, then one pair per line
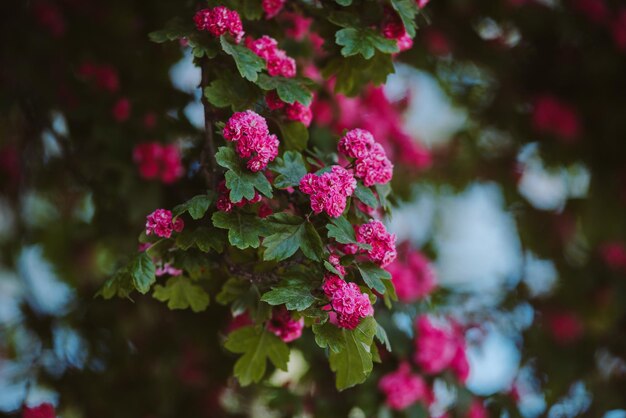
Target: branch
x,y
209,165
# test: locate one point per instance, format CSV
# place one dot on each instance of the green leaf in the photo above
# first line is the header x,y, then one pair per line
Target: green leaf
x,y
174,29
366,195
390,293
290,234
364,41
232,290
142,272
120,285
243,229
202,46
230,90
407,10
342,231
350,351
373,276
289,90
384,190
248,64
252,9
257,346
196,206
203,238
291,169
294,293
344,3
381,335
354,73
239,180
180,293
294,135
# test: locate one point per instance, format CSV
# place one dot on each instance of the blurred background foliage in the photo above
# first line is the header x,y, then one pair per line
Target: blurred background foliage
x,y
520,104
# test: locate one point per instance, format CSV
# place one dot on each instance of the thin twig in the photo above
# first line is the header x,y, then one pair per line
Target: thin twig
x,y
209,165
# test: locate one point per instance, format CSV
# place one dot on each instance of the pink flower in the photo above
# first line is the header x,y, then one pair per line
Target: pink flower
x,y
167,268
276,60
347,302
403,388
555,117
437,42
565,326
300,25
382,242
477,410
160,223
218,21
158,161
121,110
252,139
414,278
272,7
329,191
614,255
371,163
299,113
44,410
393,28
273,101
422,3
284,326
335,261
440,348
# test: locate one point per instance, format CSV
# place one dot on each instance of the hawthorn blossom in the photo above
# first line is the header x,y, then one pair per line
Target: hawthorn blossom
x,y
477,410
335,261
299,25
44,410
276,60
440,347
564,326
160,223
371,163
614,255
296,111
158,161
393,28
403,388
284,326
329,191
104,76
383,243
272,7
252,139
347,301
414,278
219,21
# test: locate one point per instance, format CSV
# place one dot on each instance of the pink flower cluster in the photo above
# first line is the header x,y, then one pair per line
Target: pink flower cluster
x,y
347,301
403,388
276,60
329,191
477,410
224,203
371,163
393,28
374,112
160,223
44,410
284,326
555,117
218,21
382,242
296,111
272,7
158,161
440,347
335,261
252,138
413,278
